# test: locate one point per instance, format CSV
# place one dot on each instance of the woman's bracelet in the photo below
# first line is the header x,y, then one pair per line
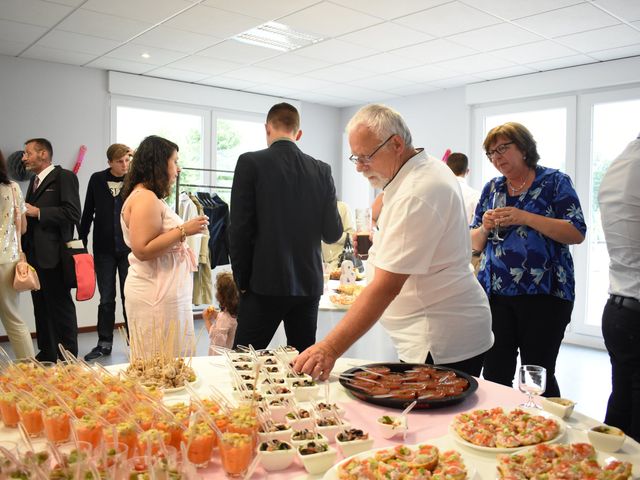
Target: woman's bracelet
x,y
183,234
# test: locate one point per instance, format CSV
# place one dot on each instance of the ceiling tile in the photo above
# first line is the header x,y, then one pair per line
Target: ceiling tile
x,y
386,36
601,39
490,38
505,72
628,10
340,73
564,21
534,52
388,10
231,83
475,63
413,89
70,3
54,55
177,74
562,62
328,20
456,81
448,19
302,82
265,10
234,50
178,40
384,63
425,73
76,42
511,9
381,82
20,32
212,21
435,51
107,63
157,56
335,51
292,63
33,12
11,48
614,53
329,100
144,10
211,66
251,73
350,91
274,90
101,25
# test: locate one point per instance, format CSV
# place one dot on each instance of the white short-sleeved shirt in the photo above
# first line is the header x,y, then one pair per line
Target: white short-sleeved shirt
x,y
423,232
8,238
470,196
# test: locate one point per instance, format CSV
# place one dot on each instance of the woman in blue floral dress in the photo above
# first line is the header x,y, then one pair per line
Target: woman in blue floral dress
x,y
524,223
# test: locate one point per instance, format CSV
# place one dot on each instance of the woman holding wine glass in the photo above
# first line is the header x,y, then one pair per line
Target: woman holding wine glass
x,y
524,223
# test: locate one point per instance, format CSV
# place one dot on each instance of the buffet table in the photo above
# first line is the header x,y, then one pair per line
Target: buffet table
x,y
426,426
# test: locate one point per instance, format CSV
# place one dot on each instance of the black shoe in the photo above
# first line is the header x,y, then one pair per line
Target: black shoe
x,y
97,353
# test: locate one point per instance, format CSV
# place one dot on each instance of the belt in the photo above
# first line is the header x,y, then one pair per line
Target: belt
x,y
626,302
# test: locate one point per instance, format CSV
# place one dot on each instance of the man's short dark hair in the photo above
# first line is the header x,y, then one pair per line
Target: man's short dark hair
x,y
41,144
284,116
458,163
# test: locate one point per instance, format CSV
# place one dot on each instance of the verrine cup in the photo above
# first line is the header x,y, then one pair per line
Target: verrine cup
x,y
363,231
532,380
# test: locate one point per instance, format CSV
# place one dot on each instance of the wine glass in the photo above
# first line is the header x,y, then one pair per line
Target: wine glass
x,y
499,201
532,380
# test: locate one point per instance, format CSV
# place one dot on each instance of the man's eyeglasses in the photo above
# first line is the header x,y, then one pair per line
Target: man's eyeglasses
x,y
365,159
499,149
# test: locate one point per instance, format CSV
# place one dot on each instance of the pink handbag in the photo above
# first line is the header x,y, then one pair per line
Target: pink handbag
x,y
25,278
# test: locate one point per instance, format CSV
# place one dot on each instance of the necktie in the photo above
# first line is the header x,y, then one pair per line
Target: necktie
x,y
36,183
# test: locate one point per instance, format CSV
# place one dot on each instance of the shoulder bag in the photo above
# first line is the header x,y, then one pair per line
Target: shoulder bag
x,y
25,278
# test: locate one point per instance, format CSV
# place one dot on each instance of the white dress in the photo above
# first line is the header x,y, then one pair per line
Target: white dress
x,y
158,295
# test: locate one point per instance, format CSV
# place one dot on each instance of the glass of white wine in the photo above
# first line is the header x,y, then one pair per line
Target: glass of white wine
x,y
532,380
499,201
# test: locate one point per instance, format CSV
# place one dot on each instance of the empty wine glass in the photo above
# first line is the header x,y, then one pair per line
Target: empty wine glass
x,y
532,380
499,201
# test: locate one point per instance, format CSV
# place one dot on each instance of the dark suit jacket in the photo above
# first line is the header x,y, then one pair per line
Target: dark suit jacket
x,y
58,199
283,203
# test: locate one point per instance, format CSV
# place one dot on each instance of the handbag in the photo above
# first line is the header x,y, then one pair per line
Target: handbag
x,y
78,269
25,277
348,253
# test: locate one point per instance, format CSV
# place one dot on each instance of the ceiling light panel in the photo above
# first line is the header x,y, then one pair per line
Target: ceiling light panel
x,y
277,36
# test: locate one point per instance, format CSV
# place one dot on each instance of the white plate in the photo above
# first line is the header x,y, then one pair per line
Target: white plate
x,y
179,389
602,457
441,443
481,448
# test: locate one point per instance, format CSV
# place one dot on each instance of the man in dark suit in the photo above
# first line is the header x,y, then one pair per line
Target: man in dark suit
x,y
283,203
53,208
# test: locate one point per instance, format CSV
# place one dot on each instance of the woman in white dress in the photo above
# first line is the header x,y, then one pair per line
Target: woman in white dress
x,y
159,286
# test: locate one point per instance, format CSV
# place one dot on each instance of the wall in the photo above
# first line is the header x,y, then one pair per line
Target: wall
x,y
70,106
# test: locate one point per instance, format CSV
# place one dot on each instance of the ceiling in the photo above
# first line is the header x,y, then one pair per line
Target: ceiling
x,y
373,50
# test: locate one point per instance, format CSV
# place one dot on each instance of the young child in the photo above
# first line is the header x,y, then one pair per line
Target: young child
x,y
221,324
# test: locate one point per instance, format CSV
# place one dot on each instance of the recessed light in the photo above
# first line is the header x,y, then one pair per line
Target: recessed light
x,y
278,37
145,55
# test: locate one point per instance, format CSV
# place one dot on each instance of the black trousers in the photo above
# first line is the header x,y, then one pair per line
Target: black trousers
x,y
471,366
534,325
621,332
260,315
55,315
107,265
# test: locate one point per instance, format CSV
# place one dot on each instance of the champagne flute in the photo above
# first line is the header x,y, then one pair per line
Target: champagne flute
x,y
532,380
499,201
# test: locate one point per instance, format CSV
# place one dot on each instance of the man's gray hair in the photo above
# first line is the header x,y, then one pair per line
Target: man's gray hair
x,y
383,121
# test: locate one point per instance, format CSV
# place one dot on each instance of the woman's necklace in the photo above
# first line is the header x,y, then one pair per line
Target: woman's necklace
x,y
515,190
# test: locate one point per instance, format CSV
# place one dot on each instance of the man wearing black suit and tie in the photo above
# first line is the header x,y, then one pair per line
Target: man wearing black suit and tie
x,y
283,203
53,208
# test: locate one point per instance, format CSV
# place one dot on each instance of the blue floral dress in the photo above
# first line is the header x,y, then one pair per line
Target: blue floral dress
x,y
527,262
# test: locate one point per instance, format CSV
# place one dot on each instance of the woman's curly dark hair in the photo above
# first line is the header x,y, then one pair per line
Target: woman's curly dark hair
x,y
227,293
150,167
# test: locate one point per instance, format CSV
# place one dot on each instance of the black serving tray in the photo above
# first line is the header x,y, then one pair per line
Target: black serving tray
x,y
400,404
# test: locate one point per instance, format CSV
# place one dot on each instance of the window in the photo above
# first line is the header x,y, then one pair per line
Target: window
x,y
134,121
233,138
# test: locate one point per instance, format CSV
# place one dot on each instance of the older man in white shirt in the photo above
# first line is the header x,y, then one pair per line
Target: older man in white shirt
x,y
423,291
620,211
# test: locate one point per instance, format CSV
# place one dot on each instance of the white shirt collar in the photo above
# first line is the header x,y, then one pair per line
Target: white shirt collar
x,y
43,174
